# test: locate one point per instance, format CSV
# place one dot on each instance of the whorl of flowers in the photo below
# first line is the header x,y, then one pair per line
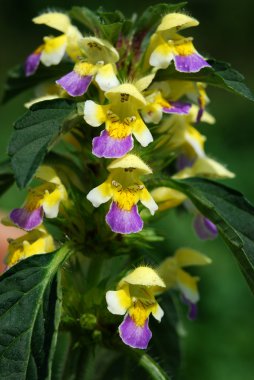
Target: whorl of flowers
x,y
131,124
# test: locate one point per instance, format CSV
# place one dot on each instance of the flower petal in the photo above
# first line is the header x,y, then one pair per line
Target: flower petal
x,y
118,301
193,311
147,200
141,132
158,312
133,335
183,161
54,50
144,276
204,228
144,82
25,219
75,84
97,49
51,210
209,168
124,222
109,147
191,63
187,256
130,161
152,114
126,94
167,197
32,63
106,77
177,108
161,56
188,285
175,22
100,194
94,114
56,20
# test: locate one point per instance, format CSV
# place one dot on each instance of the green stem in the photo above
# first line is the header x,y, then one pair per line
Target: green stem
x,y
149,365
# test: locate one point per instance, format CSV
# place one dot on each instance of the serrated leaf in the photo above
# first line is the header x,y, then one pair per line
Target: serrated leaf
x,y
6,176
153,14
229,210
17,82
34,133
219,75
29,316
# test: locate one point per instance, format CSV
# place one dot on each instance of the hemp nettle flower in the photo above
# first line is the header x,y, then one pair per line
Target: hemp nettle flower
x,y
170,270
121,118
157,105
167,46
35,242
43,199
53,49
175,89
180,134
125,189
202,166
135,299
98,63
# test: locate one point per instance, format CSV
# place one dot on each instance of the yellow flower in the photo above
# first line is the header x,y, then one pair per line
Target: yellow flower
x,y
170,270
122,119
135,299
42,199
125,189
166,45
33,243
53,49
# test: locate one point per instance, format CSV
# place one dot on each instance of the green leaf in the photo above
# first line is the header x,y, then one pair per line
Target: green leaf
x,y
34,134
229,211
17,82
219,75
29,316
107,25
86,17
6,176
111,32
153,14
113,24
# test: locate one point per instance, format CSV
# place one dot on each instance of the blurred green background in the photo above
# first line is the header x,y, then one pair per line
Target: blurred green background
x,y
220,344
